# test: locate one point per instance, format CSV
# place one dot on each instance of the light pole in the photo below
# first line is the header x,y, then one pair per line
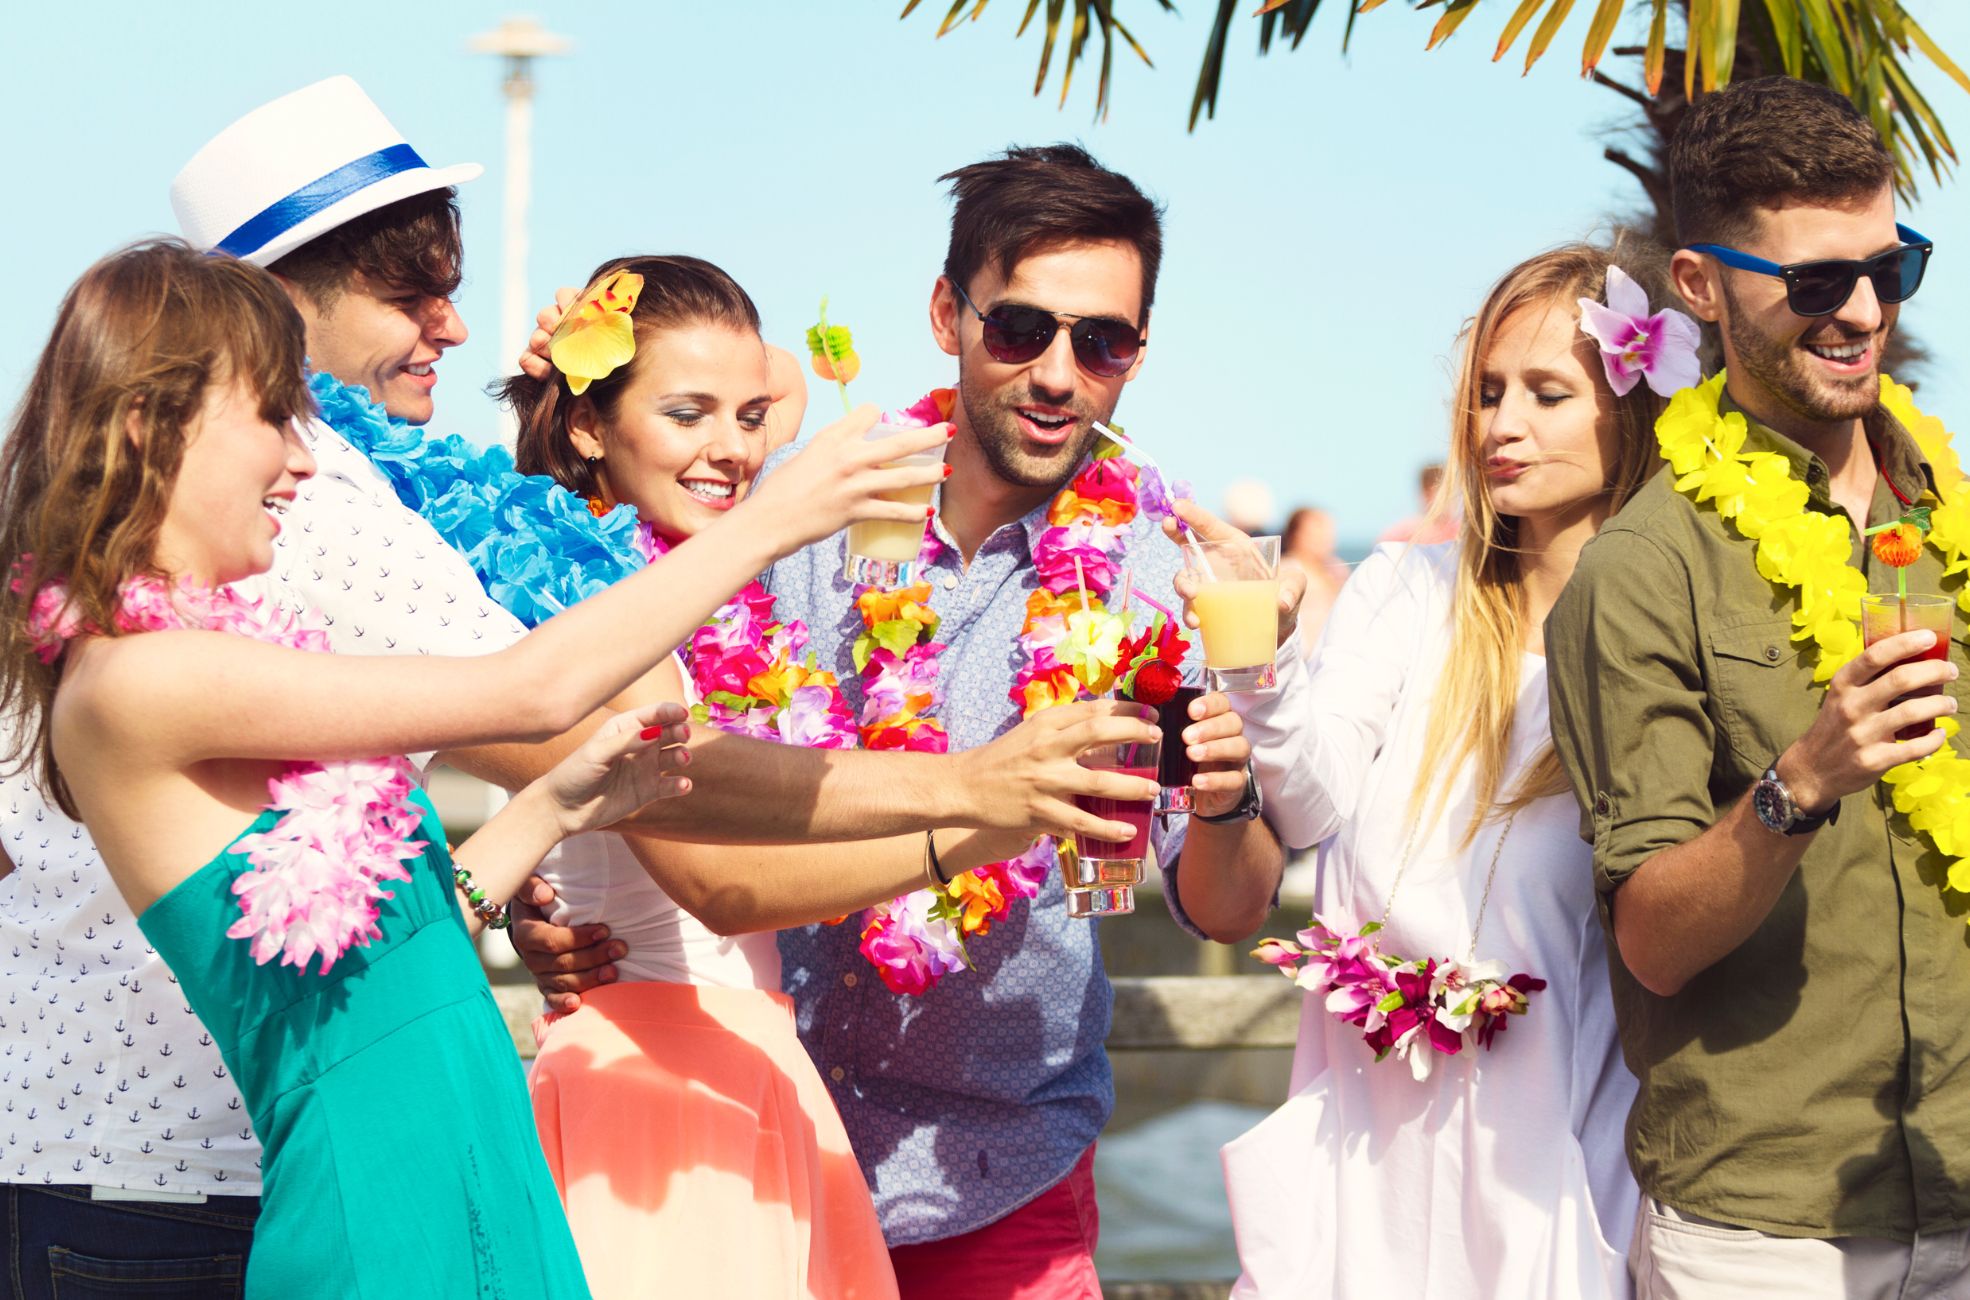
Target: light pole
x,y
520,41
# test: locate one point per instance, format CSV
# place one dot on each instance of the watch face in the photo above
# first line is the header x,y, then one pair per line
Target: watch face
x,y
1769,802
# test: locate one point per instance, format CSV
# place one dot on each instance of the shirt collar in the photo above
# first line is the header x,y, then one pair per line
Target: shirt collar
x,y
1023,533
1901,461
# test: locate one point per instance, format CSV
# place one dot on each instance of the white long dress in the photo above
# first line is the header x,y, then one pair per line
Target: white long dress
x,y
1503,1173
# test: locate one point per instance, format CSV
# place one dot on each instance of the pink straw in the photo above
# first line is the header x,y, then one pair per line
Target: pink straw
x,y
1156,605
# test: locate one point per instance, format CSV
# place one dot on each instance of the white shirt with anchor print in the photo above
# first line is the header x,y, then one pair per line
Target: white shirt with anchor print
x,y
106,1077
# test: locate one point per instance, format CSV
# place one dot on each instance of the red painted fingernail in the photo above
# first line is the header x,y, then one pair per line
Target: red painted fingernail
x,y
947,471
930,512
950,432
649,733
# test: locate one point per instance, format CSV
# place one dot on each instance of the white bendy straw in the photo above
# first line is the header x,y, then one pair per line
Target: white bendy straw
x,y
1135,450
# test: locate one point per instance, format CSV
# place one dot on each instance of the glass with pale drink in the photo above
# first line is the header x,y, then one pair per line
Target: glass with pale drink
x,y
1101,876
1237,608
883,552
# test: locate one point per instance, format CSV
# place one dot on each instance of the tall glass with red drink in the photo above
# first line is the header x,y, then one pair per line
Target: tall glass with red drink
x,y
1101,880
1885,614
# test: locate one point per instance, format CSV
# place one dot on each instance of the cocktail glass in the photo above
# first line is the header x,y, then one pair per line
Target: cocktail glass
x,y
1885,614
883,552
1237,607
1176,769
1101,876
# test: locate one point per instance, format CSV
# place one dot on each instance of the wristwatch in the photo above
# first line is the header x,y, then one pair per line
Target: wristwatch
x,y
1773,804
1248,808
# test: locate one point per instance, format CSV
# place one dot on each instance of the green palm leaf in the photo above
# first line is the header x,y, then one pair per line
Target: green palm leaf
x,y
1860,48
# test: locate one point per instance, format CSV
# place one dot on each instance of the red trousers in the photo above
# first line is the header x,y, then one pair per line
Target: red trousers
x,y
1044,1250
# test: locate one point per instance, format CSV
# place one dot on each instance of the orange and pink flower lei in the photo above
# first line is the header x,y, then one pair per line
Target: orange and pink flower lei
x,y
345,828
749,671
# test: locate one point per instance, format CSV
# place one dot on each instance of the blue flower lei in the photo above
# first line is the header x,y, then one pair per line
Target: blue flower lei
x,y
535,545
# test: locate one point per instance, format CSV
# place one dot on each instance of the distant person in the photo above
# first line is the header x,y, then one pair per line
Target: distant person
x,y
1437,519
1249,506
1308,540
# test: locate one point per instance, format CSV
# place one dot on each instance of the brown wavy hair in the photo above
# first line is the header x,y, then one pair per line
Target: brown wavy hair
x,y
97,441
677,291
1477,695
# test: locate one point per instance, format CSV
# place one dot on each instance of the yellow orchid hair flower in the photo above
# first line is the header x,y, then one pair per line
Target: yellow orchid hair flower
x,y
597,336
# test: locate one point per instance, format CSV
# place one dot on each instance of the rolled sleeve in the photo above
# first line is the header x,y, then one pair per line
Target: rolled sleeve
x,y
1630,726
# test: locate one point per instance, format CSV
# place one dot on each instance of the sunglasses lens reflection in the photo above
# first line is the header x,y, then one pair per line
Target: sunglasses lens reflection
x,y
1015,335
1818,290
1106,347
1903,276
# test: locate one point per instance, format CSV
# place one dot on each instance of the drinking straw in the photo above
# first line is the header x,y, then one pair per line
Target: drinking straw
x,y
1154,604
1135,449
1901,571
1081,581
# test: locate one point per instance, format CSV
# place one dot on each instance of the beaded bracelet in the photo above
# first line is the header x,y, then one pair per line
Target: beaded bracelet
x,y
484,908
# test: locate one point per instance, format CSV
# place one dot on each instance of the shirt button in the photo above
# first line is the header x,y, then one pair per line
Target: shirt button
x,y
837,1074
950,582
849,979
1771,653
1600,805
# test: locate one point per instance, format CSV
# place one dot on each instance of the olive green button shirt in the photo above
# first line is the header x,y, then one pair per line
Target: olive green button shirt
x,y
1816,1081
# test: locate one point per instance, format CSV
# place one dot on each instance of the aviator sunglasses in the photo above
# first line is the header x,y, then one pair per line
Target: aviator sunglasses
x,y
1016,335
1822,288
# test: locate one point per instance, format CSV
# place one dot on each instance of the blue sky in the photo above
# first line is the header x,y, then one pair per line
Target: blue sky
x,y
1327,234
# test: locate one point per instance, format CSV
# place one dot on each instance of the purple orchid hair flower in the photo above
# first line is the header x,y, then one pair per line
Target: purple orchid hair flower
x,y
1635,345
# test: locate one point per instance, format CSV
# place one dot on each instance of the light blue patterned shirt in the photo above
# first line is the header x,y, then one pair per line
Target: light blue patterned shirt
x,y
967,1102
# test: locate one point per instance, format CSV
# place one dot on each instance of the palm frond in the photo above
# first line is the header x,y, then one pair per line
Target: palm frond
x,y
1861,48
1088,19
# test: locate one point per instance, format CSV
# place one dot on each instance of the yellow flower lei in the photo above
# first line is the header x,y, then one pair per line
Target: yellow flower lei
x,y
1807,552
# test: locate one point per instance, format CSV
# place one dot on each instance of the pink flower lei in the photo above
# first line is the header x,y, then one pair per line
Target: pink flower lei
x,y
345,828
1416,1010
748,669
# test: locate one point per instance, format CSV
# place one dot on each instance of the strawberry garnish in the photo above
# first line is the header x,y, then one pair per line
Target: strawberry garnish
x,y
1156,683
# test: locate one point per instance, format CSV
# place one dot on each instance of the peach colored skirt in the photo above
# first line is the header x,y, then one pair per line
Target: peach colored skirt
x,y
697,1152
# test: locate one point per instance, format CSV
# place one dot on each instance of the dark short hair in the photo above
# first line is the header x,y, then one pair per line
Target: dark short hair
x,y
676,291
1030,199
410,246
1755,143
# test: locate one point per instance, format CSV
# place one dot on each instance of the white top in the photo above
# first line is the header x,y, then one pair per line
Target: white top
x,y
1503,1173
597,879
106,1078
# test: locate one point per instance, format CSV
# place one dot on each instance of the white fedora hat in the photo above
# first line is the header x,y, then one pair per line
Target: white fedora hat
x,y
298,168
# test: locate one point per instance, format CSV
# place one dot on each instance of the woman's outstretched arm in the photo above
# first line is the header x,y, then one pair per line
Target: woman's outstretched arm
x,y
192,696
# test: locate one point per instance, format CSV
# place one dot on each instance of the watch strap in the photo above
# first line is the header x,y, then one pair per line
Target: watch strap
x,y
1248,808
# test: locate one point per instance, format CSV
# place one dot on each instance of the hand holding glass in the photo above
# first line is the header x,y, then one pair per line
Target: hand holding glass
x,y
1102,876
881,552
1885,614
1237,608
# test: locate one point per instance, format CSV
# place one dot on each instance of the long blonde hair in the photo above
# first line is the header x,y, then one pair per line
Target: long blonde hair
x,y
1477,695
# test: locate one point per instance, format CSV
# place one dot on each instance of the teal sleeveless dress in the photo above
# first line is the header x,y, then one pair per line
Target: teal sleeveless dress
x,y
400,1152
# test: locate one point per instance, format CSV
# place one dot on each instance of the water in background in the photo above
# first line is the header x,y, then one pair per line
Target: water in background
x,y
1161,1190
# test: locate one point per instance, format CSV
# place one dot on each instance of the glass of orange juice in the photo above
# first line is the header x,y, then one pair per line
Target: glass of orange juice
x,y
883,552
1237,608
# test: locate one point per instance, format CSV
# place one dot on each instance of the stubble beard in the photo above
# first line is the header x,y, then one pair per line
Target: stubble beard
x,y
1781,367
995,428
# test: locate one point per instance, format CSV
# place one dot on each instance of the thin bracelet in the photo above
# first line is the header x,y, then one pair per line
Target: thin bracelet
x,y
484,908
933,870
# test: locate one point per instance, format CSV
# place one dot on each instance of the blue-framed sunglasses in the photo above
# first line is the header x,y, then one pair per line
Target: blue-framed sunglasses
x,y
1822,288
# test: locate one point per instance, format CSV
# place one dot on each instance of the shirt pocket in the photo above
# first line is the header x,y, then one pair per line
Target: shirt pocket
x,y
1762,689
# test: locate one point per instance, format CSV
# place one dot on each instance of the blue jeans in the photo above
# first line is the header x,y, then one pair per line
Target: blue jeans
x,y
62,1245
